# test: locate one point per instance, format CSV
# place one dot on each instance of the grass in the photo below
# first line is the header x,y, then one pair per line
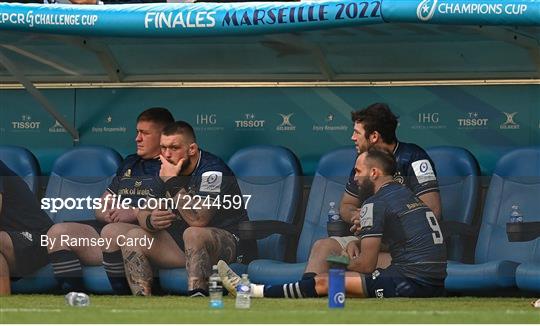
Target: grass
x,y
173,309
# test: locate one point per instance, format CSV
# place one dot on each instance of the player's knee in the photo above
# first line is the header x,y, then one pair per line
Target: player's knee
x,y
110,231
57,230
133,236
322,245
195,236
6,246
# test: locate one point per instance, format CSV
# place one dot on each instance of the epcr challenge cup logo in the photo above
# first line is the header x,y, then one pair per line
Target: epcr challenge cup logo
x,y
426,9
339,297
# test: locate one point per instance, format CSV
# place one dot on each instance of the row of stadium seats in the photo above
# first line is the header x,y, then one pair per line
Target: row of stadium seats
x,y
276,209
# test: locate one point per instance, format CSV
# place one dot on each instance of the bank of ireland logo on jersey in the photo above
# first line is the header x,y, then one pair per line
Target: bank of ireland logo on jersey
x,y
426,9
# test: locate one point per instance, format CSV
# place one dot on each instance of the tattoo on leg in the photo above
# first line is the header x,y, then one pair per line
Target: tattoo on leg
x,y
198,267
138,273
200,257
224,246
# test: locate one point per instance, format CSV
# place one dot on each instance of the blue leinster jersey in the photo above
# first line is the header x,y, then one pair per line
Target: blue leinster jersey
x,y
410,229
213,181
138,178
414,170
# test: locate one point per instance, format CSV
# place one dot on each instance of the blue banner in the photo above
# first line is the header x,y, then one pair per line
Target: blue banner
x,y
200,19
463,12
169,20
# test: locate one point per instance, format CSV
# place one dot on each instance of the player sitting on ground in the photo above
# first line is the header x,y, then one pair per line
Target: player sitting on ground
x,y
393,214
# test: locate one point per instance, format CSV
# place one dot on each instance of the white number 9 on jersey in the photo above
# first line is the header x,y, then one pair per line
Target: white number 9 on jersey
x,y
437,234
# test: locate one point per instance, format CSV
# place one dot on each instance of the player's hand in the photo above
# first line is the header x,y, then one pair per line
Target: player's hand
x,y
161,219
123,215
355,221
352,249
168,169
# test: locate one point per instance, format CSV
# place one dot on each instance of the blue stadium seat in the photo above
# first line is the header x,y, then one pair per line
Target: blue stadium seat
x,y
271,175
458,175
23,163
328,185
80,172
42,281
515,180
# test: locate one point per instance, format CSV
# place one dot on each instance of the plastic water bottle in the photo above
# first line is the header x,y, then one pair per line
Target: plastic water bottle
x,y
77,299
243,293
516,216
333,216
215,289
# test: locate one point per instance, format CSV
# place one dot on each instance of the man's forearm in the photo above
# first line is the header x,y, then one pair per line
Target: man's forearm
x,y
347,211
193,215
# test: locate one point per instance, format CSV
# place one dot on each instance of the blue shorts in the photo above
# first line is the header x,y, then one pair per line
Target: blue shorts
x,y
390,282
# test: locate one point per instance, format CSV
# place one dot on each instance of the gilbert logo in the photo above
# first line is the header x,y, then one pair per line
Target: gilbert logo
x,y
509,123
286,124
426,9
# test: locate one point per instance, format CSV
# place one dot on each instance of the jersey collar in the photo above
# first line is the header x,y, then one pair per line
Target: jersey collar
x,y
396,148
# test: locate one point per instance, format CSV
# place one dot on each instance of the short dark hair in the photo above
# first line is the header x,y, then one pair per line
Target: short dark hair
x,y
382,159
180,128
378,117
158,115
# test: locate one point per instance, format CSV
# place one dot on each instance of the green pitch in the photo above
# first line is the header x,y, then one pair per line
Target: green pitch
x,y
173,309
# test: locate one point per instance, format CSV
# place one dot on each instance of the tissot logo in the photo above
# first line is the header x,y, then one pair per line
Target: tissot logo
x,y
473,120
25,124
286,124
249,121
510,123
426,9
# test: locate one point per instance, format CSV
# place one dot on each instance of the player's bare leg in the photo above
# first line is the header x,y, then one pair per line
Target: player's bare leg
x,y
7,258
138,269
321,249
204,247
163,252
306,288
